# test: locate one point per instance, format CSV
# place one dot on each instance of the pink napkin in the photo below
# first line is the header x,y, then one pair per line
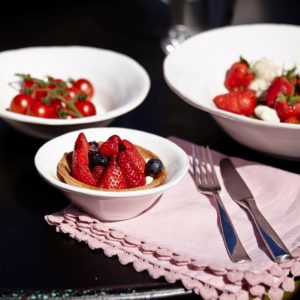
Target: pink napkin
x,y
179,237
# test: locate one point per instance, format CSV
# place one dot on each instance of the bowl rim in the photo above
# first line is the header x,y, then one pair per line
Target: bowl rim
x,y
113,194
120,110
214,110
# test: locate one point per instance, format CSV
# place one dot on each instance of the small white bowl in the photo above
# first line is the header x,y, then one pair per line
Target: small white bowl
x,y
108,205
120,83
196,72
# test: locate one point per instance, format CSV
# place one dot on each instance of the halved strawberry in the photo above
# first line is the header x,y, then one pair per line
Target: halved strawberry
x,y
239,76
109,148
238,102
133,175
115,138
113,177
97,172
80,161
279,86
134,155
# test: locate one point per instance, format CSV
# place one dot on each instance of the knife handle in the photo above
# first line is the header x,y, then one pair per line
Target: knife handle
x,y
275,245
234,247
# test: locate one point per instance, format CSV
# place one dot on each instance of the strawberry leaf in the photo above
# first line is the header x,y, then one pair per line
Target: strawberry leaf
x,y
281,97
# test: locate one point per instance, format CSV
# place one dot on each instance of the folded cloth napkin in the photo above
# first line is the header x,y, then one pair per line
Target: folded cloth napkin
x,y
179,237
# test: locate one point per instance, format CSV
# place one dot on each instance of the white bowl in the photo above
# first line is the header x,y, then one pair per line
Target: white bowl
x,y
108,205
120,83
196,72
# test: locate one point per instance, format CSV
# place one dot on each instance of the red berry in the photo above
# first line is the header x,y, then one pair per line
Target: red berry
x,y
80,161
97,172
238,76
134,155
115,138
113,177
292,120
133,176
284,110
109,148
238,102
277,87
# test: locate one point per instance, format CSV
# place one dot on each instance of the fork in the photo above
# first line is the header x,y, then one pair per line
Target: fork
x,y
207,182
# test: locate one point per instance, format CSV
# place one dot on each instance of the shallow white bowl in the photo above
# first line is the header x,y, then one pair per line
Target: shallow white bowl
x,y
120,83
196,72
106,205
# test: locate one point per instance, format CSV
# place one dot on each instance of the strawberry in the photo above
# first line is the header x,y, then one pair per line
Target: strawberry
x,y
115,138
134,155
292,120
238,102
133,176
279,86
113,177
97,172
239,76
109,148
80,161
284,110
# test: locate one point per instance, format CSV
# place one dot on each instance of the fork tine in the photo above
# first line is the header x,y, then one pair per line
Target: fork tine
x,y
213,172
208,167
194,164
202,166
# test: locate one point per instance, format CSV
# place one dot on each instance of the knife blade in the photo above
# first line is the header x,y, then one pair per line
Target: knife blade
x,y
240,193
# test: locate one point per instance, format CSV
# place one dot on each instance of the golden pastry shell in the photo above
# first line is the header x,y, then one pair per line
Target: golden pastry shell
x,y
64,173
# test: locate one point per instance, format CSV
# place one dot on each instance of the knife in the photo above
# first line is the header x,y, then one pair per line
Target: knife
x,y
241,194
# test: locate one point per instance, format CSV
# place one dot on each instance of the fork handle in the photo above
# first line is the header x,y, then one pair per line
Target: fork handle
x,y
234,247
274,244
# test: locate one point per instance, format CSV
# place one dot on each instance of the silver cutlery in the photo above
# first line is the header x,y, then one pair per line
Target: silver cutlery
x,y
241,194
207,182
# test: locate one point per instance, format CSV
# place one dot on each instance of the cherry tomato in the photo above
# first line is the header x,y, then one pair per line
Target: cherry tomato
x,y
85,86
42,110
39,94
72,92
20,103
28,85
86,108
54,83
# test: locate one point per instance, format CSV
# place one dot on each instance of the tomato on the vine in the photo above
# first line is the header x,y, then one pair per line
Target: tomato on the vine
x,y
42,110
86,108
72,92
85,87
20,103
53,97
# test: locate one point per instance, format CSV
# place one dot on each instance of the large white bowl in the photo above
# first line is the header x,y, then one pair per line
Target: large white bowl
x,y
108,205
121,84
196,72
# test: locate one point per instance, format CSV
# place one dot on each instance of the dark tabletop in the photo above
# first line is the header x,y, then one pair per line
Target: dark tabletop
x,y
35,261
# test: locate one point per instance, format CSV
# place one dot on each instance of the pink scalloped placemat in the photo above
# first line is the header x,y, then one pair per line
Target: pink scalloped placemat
x,y
179,237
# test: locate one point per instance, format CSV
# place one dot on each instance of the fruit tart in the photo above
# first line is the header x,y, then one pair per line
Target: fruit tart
x,y
115,164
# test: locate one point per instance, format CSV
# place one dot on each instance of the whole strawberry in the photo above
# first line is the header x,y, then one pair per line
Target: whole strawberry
x,y
239,76
284,110
238,102
279,86
113,177
80,161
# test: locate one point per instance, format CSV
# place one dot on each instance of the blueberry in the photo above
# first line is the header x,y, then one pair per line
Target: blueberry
x,y
153,167
98,159
94,146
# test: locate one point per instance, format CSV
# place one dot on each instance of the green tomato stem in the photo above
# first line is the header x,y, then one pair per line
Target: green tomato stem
x,y
70,105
